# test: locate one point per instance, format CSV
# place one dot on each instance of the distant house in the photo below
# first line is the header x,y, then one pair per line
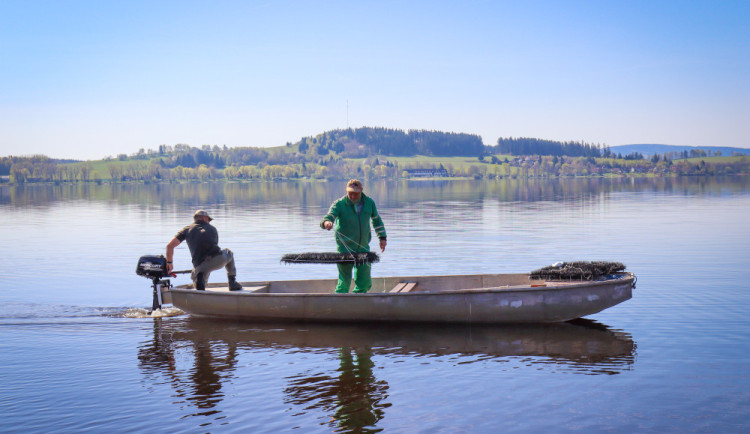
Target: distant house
x,y
427,173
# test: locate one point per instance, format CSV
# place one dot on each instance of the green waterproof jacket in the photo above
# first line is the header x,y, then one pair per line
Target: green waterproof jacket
x,y
352,228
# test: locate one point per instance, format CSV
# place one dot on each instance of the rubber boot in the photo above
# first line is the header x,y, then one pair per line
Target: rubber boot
x,y
234,285
200,283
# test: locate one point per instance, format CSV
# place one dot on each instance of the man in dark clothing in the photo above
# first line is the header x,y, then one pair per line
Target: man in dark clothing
x,y
203,242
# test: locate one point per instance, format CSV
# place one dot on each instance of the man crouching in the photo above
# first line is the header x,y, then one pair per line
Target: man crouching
x,y
203,242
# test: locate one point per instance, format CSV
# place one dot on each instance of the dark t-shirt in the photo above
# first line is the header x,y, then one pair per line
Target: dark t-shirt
x,y
202,240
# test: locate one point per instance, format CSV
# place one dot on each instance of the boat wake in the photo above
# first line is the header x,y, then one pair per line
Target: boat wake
x,y
137,312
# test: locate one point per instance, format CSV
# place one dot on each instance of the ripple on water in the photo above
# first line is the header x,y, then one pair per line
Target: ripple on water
x,y
13,312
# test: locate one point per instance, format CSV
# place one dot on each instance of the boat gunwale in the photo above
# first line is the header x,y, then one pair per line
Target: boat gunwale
x,y
623,278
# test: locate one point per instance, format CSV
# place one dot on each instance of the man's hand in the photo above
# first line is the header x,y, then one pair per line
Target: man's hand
x,y
328,225
382,245
169,267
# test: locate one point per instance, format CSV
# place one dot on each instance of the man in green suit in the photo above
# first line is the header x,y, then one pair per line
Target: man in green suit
x,y
350,217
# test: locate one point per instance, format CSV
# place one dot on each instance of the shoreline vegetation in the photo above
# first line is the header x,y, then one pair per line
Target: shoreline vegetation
x,y
372,153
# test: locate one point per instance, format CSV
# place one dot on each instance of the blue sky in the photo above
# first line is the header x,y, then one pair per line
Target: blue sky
x,y
89,79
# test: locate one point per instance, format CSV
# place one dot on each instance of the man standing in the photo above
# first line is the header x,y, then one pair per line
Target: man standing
x,y
203,242
350,218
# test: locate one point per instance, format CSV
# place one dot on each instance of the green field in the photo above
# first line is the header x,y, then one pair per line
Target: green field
x,y
100,168
455,162
734,159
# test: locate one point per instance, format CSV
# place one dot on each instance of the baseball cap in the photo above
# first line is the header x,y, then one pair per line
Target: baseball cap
x,y
200,212
354,185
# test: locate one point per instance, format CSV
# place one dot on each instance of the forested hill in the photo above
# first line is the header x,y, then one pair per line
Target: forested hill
x,y
531,146
690,151
333,145
372,153
362,142
365,141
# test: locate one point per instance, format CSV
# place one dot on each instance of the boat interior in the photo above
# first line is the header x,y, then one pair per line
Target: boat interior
x,y
394,285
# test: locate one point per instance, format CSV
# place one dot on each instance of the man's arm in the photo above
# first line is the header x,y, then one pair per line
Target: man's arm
x,y
170,253
328,219
377,224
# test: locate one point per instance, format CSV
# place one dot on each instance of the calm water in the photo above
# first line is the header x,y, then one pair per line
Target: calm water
x,y
675,358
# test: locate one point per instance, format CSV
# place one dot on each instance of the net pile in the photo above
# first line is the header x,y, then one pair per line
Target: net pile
x,y
578,270
331,258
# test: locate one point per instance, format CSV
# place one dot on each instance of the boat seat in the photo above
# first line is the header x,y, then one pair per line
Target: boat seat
x,y
260,288
263,288
403,287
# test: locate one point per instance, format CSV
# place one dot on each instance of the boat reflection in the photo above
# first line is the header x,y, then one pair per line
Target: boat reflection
x,y
350,393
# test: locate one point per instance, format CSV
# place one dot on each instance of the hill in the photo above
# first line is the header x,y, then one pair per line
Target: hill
x,y
651,149
374,152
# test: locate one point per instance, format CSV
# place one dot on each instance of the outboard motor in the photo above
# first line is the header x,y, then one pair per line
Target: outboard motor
x,y
154,267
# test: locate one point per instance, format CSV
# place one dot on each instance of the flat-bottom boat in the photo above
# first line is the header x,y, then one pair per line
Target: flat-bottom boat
x,y
479,298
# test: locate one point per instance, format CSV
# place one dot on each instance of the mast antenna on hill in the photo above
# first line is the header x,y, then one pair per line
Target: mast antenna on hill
x,y
347,114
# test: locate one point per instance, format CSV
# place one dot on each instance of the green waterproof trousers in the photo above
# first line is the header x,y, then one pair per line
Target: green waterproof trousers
x,y
362,279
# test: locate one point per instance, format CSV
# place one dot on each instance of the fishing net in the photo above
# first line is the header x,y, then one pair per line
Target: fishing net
x,y
331,258
578,270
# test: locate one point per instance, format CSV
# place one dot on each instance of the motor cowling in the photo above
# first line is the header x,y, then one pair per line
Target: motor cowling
x,y
152,266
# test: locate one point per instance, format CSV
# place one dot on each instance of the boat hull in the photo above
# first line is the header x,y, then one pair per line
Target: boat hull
x,y
540,302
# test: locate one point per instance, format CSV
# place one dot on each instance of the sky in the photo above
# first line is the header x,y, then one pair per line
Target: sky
x,y
91,79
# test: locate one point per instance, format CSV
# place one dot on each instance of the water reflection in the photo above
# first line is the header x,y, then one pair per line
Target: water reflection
x,y
212,365
354,397
388,193
349,391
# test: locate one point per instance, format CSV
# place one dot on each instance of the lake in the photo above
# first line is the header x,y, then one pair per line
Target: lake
x,y
75,355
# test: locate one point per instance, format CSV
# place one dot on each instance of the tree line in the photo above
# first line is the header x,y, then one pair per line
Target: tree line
x,y
335,154
531,146
156,170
